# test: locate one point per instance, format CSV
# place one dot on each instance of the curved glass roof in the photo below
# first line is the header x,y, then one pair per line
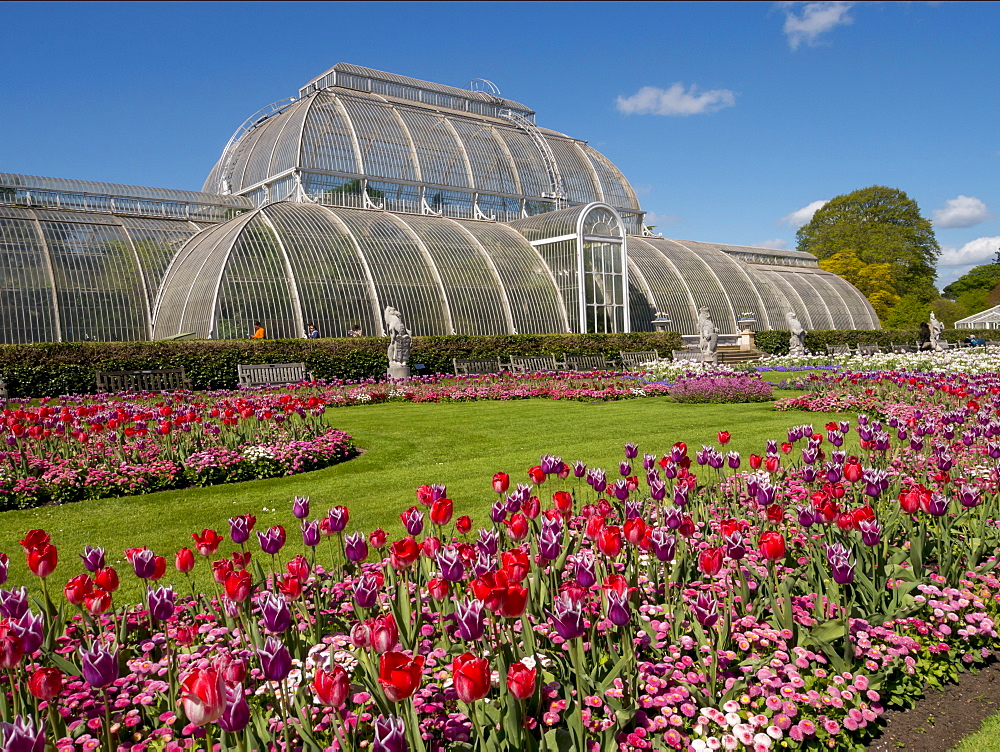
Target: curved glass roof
x,y
363,135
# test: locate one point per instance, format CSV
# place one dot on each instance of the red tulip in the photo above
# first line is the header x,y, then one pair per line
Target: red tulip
x,y
775,514
425,495
298,567
106,579
521,680
203,696
208,542
687,527
43,559
377,538
221,570
403,553
772,463
35,539
532,507
515,600
845,521
290,587
853,470
332,687
184,560
77,589
829,511
635,530
159,567
384,634
463,524
441,511
610,542
399,675
491,589
710,561
501,482
471,677
517,527
45,683
438,588
11,648
772,546
861,514
615,582
909,500
563,501
430,547
680,446
97,601
730,526
238,585
756,461
594,526
536,475
515,564
724,437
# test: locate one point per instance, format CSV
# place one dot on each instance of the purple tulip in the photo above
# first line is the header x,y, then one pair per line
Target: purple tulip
x,y
916,444
161,603
806,516
733,460
550,540
356,547
366,590
469,620
833,472
765,493
390,735
663,543
648,461
621,489
585,570
715,459
413,521
670,470
21,736
300,507
488,541
969,496
838,457
93,558
657,489
701,456
336,519
579,468
144,564
618,610
485,562
871,532
239,530
844,426
14,603
236,716
810,455
681,495
600,480
633,509
277,615
772,446
672,518
808,474
451,565
938,505
843,572
271,541
513,506
631,450
549,463
275,662
310,533
30,629
706,610
624,469
100,666
735,548
567,619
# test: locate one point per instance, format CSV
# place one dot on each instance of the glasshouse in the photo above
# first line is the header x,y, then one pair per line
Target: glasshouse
x,y
369,190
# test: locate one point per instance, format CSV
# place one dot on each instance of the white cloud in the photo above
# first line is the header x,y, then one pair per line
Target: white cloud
x,y
800,216
677,100
978,251
964,211
778,244
814,19
659,221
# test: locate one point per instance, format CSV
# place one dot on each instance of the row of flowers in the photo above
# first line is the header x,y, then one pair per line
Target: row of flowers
x,y
688,599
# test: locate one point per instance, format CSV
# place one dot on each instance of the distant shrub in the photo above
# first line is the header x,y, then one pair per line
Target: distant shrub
x,y
722,389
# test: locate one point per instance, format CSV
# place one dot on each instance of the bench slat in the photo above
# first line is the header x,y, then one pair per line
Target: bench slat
x,y
154,380
274,374
631,361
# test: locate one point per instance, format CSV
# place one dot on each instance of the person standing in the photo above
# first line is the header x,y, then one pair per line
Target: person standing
x,y
313,332
354,331
258,331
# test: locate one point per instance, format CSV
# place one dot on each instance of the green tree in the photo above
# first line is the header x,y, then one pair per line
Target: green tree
x,y
984,277
881,226
874,280
908,313
948,311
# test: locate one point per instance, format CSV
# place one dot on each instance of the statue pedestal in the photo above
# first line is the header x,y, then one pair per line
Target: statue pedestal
x,y
398,371
747,340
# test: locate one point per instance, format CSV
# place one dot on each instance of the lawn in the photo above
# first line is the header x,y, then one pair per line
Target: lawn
x,y
405,445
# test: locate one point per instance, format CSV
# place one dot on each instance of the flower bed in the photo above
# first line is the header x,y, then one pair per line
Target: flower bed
x,y
121,445
684,600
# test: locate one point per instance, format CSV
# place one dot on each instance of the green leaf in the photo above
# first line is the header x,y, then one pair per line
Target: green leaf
x,y
67,666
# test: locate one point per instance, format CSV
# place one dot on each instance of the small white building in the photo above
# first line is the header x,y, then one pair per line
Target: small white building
x,y
988,319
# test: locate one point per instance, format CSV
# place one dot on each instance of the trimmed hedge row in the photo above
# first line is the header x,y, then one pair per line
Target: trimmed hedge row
x,y
776,342
51,369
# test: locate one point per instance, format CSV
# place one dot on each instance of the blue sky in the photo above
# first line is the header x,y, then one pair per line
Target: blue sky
x,y
730,119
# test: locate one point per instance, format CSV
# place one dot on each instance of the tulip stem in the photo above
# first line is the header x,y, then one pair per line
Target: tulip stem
x,y
107,720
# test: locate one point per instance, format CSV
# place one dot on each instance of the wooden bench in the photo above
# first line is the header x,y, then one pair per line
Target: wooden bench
x,y
533,363
838,350
696,356
467,366
903,347
586,363
633,361
156,380
868,349
272,374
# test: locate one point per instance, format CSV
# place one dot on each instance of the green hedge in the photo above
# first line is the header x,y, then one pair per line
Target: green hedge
x,y
776,342
51,369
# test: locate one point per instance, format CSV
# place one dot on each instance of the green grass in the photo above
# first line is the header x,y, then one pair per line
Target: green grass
x,y
405,445
987,739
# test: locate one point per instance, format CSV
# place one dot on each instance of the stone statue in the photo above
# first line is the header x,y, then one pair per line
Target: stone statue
x,y
796,335
937,328
708,335
400,342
